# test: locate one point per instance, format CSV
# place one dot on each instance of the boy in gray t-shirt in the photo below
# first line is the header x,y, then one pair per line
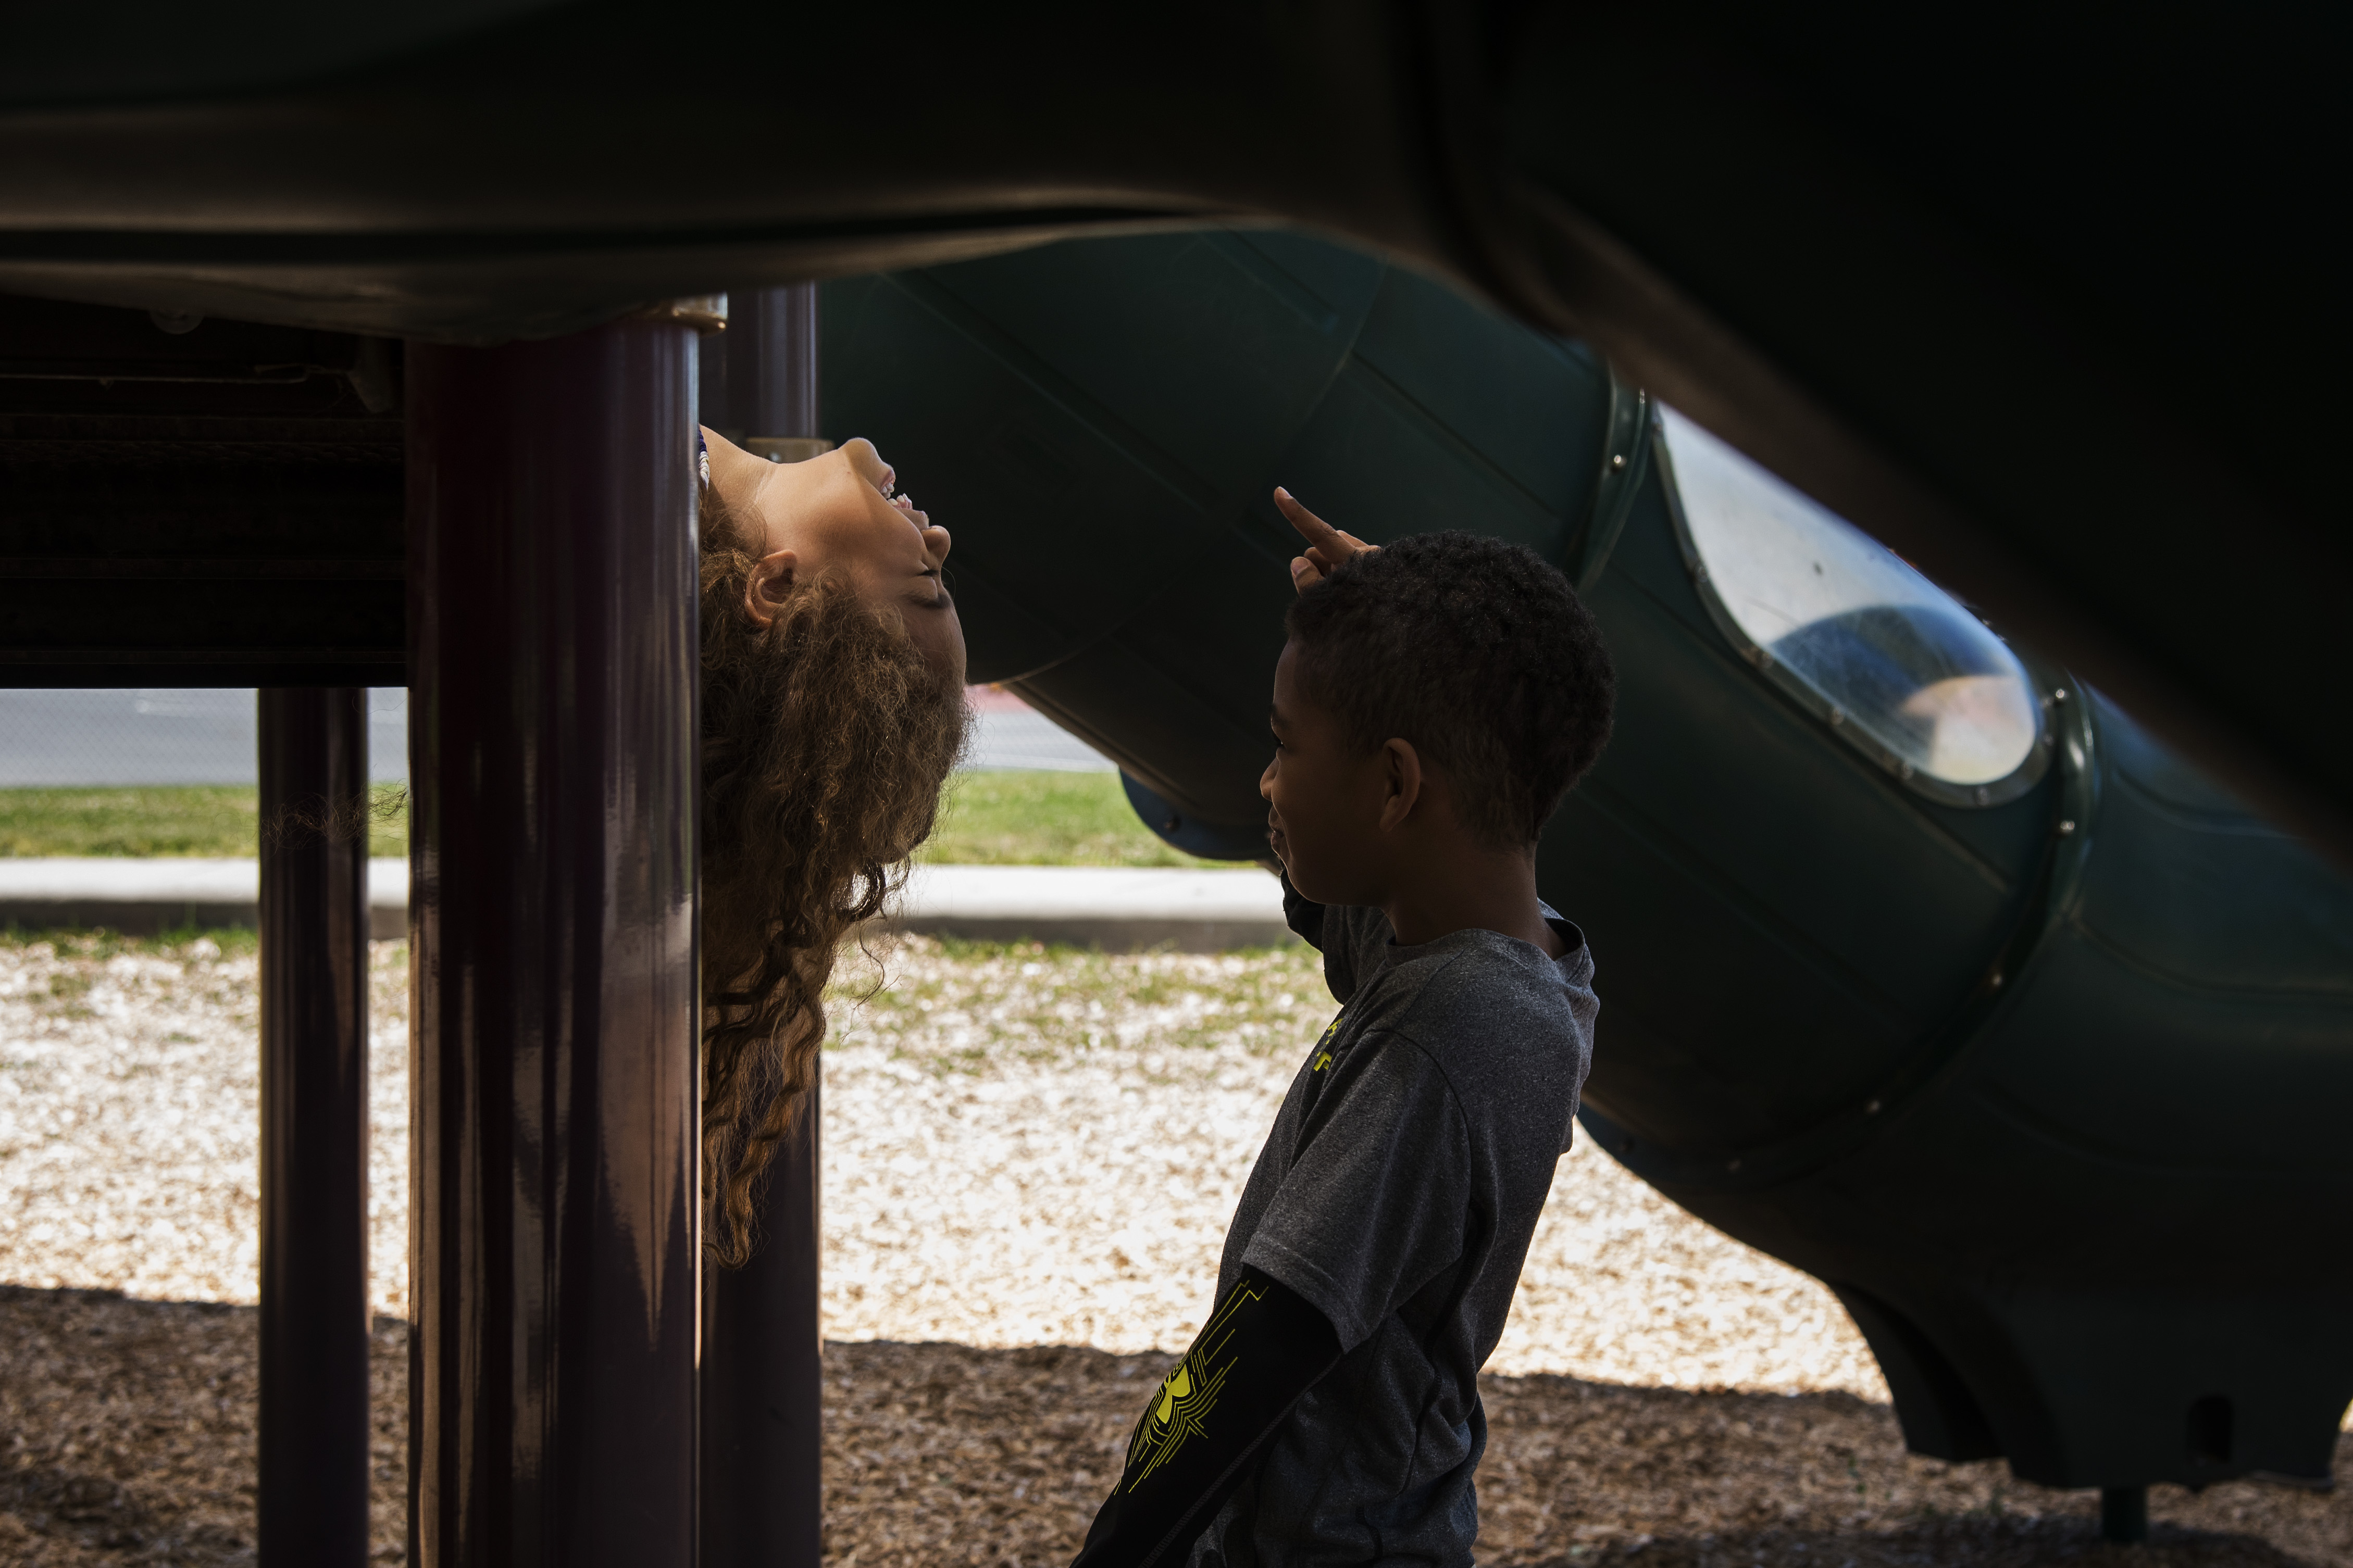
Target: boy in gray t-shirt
x,y
1436,699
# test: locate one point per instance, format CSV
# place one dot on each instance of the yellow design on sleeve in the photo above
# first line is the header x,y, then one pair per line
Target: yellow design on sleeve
x,y
1180,1407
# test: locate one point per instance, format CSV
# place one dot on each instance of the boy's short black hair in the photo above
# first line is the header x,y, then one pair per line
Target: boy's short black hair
x,y
1477,651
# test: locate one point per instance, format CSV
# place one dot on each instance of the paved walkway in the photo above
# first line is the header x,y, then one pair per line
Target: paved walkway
x,y
157,736
1117,908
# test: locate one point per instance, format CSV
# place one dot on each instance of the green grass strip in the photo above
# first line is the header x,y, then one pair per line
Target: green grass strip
x,y
1008,818
1024,818
101,943
221,821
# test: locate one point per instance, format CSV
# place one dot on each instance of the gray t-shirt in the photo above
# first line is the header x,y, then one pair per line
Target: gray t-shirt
x,y
1397,1194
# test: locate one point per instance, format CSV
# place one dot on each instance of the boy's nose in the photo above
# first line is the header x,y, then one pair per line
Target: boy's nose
x,y
1266,782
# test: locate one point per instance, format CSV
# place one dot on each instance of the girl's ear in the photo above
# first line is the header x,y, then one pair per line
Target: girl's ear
x,y
1402,767
772,580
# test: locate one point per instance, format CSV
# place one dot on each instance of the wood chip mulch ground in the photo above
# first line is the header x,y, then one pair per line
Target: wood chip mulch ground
x,y
1663,1397
126,1436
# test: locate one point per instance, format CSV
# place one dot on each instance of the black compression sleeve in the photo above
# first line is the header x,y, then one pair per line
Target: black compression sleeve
x,y
1265,1347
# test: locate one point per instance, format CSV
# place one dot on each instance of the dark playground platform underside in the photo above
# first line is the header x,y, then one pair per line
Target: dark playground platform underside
x,y
215,507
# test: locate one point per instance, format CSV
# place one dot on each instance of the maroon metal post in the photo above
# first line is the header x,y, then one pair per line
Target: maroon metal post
x,y
762,1382
311,1505
780,356
553,763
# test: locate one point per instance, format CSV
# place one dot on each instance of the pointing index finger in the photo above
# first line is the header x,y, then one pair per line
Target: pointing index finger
x,y
1336,545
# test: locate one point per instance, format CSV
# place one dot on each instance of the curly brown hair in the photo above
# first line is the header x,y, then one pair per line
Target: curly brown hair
x,y
826,741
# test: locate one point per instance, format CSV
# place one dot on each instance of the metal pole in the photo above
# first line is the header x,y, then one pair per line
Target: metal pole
x,y
773,368
553,760
312,1499
762,1390
762,1379
2124,1514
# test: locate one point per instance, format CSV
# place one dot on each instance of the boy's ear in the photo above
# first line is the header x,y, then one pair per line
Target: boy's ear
x,y
1401,766
772,579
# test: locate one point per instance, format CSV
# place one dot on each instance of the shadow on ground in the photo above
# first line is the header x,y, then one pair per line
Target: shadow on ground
x,y
126,1436
126,1430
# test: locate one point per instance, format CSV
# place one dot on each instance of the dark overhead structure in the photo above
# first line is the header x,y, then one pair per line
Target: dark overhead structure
x,y
1924,968
2045,303
196,502
2044,300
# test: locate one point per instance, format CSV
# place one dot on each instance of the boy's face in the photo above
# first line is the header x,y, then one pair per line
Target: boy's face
x,y
1325,798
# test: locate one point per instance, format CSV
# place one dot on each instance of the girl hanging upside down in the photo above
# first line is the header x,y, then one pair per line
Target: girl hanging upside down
x,y
833,710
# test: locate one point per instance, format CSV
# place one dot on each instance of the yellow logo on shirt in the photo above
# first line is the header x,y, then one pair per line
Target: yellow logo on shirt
x,y
1324,1056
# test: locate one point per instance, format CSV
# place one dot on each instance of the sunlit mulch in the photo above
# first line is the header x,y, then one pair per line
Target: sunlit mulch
x,y
130,1075
1022,1147
1027,1147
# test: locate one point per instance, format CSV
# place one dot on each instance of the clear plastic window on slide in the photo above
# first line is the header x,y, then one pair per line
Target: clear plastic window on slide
x,y
1896,664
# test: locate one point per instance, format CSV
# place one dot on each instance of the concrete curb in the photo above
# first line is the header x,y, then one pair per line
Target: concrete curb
x,y
144,897
1117,908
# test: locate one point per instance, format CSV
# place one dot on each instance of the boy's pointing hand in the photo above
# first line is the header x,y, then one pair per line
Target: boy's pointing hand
x,y
1326,545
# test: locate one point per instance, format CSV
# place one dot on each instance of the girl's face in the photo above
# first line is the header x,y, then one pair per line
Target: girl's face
x,y
840,513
